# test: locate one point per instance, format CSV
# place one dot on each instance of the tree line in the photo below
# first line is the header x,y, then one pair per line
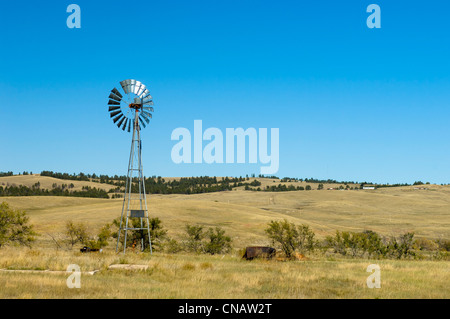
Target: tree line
x,y
2,174
72,177
158,185
35,190
197,185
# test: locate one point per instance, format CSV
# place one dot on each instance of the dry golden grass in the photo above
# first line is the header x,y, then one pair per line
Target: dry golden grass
x,y
244,216
200,276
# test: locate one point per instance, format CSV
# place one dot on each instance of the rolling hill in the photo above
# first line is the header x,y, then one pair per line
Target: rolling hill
x,y
244,214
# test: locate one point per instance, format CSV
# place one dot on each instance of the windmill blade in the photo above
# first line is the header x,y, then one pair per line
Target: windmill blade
x,y
141,90
112,102
118,117
121,119
124,120
123,84
148,103
137,87
146,119
114,97
132,86
126,86
129,126
113,108
125,124
142,122
116,92
148,97
148,108
147,113
144,93
115,113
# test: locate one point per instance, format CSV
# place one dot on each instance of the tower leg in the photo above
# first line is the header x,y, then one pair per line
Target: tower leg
x,y
136,203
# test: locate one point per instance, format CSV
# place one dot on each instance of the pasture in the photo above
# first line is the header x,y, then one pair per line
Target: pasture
x,y
243,215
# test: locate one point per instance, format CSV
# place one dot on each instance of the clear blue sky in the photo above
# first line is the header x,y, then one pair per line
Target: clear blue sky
x,y
351,103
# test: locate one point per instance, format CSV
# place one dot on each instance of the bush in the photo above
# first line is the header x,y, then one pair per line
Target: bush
x,y
425,244
14,227
290,237
76,233
337,243
195,235
284,234
157,233
402,246
371,244
443,244
218,242
306,241
101,240
374,244
173,246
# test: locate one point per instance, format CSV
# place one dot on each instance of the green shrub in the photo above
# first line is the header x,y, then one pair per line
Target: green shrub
x,y
99,241
218,243
285,235
306,241
290,237
194,238
173,247
371,244
214,241
76,233
14,227
425,244
444,244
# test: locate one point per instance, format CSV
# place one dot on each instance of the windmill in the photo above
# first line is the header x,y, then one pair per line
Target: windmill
x,y
131,110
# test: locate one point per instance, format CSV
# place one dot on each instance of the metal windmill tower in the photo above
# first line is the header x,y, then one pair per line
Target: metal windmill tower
x,y
129,111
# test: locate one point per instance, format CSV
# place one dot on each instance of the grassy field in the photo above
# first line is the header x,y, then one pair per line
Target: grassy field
x,y
201,276
244,216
